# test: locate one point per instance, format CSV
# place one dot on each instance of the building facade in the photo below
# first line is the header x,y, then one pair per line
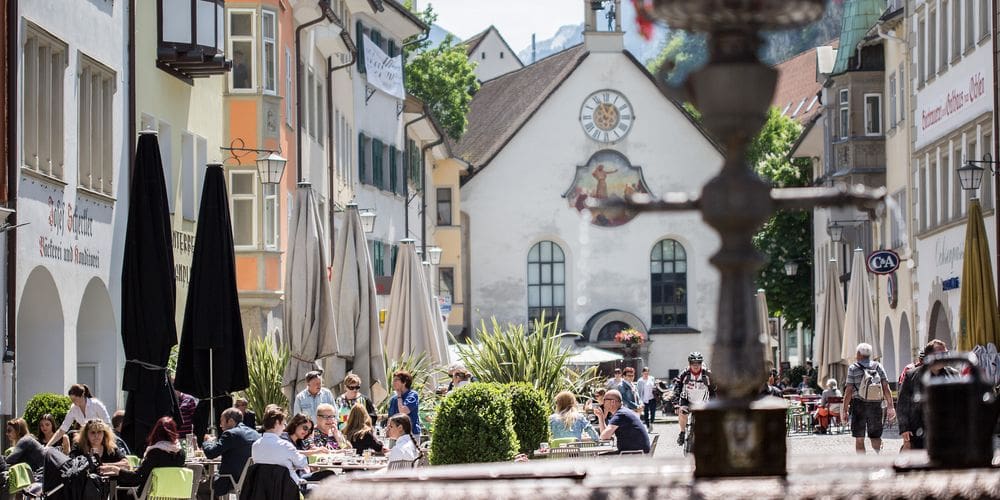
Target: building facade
x,y
73,150
588,123
491,54
950,74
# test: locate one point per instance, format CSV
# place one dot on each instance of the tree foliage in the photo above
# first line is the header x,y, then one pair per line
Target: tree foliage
x,y
681,54
442,77
788,234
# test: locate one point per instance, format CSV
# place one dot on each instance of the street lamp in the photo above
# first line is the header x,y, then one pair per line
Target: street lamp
x,y
434,253
271,168
971,175
836,232
367,220
791,268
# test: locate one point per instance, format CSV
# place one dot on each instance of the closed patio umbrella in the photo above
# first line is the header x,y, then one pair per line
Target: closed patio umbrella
x,y
409,328
978,321
859,320
829,330
148,298
212,361
440,327
763,326
310,331
357,314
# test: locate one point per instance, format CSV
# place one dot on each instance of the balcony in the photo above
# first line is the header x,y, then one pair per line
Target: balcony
x,y
191,38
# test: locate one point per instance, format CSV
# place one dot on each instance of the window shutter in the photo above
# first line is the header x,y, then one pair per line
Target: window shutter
x,y
394,253
392,48
360,30
377,163
361,159
377,38
405,160
392,171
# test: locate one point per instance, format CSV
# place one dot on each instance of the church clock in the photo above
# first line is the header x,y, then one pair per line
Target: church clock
x,y
606,116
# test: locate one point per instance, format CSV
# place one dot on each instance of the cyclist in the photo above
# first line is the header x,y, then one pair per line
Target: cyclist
x,y
692,386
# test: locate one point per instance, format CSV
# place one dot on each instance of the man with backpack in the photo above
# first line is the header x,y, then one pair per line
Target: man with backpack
x,y
866,389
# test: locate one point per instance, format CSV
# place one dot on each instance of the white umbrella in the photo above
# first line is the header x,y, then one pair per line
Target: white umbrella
x,y
830,328
357,312
591,355
440,327
763,325
310,331
409,325
859,321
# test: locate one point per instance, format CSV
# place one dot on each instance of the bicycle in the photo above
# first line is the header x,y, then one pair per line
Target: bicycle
x,y
689,435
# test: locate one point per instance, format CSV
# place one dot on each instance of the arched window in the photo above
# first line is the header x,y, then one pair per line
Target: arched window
x,y
547,282
668,276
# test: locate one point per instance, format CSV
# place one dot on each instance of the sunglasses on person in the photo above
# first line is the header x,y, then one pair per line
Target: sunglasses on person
x,y
353,387
326,417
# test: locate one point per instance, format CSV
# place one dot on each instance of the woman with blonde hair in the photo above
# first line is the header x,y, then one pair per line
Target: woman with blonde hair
x,y
359,431
97,440
566,422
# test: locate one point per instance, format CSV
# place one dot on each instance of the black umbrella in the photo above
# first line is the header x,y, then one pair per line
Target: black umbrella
x,y
148,299
212,361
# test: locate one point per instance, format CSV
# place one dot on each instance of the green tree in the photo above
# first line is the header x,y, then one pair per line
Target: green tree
x,y
788,234
681,54
442,77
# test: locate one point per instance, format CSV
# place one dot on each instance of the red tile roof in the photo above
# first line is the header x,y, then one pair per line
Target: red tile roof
x,y
797,89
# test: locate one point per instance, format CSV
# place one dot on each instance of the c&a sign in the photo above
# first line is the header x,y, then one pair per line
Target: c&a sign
x,y
882,262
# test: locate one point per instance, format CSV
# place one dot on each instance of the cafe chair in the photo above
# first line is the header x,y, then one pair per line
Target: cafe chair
x,y
653,439
268,481
133,461
401,464
167,482
633,452
237,482
19,478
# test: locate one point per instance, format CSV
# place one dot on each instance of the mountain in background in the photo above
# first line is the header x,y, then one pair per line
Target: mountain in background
x,y
572,34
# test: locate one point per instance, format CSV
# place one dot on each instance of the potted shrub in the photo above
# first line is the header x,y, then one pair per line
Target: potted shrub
x,y
474,425
531,415
46,402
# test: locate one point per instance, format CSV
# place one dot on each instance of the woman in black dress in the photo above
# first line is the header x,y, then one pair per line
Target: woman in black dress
x,y
98,441
359,431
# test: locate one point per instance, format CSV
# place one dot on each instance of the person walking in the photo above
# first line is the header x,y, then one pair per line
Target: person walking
x,y
911,411
646,384
867,387
630,395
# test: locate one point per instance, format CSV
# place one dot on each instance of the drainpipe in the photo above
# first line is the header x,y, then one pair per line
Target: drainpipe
x,y
298,94
12,177
406,182
353,51
423,196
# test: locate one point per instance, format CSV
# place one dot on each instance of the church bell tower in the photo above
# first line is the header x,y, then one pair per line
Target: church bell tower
x,y
602,29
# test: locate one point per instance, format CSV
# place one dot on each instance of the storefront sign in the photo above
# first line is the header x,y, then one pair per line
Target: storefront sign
x,y
961,94
882,262
948,255
949,284
66,220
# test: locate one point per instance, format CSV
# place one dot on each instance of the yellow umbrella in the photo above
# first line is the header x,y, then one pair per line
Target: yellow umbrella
x,y
978,310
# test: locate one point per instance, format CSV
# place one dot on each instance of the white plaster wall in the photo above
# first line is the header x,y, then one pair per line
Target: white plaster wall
x,y
97,29
493,65
517,201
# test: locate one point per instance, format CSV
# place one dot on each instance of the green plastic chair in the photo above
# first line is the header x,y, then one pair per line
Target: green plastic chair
x,y
19,477
561,441
133,461
166,482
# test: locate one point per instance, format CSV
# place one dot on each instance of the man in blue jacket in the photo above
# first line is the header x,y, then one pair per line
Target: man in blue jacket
x,y
234,446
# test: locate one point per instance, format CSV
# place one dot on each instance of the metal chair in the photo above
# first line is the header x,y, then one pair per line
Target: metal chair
x,y
237,482
633,452
653,439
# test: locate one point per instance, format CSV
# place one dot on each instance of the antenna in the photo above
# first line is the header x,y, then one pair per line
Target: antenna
x,y
532,48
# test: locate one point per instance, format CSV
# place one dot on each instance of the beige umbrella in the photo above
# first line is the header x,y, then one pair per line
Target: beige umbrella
x,y
859,320
829,329
357,313
440,327
763,326
409,325
310,331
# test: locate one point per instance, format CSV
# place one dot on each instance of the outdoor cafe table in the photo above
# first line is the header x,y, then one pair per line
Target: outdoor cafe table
x,y
210,466
584,451
377,463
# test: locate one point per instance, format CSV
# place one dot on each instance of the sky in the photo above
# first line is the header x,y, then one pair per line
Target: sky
x,y
516,19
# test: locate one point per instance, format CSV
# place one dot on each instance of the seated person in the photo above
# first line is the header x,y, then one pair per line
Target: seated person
x,y
298,431
566,422
359,431
622,423
116,425
325,432
401,429
47,428
806,386
162,450
233,446
96,440
271,449
26,448
824,409
249,417
352,396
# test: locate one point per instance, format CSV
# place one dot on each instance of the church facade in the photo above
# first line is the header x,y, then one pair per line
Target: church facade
x,y
589,124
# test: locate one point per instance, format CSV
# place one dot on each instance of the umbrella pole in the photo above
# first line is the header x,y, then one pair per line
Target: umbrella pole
x,y
211,392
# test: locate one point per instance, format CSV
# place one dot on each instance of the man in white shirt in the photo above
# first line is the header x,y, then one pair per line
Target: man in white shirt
x,y
271,449
645,386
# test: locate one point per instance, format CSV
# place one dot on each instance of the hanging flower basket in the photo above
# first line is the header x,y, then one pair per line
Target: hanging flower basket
x,y
630,337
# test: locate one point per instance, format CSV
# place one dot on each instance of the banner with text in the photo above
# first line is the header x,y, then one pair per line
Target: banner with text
x,y
961,94
384,73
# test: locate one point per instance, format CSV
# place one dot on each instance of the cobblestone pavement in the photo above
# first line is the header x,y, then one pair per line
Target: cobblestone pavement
x,y
798,444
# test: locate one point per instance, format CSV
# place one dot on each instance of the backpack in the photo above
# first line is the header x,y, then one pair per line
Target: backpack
x,y
870,388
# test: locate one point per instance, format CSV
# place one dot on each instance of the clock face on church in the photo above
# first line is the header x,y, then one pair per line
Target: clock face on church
x,y
606,116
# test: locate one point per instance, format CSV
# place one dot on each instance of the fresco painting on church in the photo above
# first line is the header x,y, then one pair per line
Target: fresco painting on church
x,y
608,175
